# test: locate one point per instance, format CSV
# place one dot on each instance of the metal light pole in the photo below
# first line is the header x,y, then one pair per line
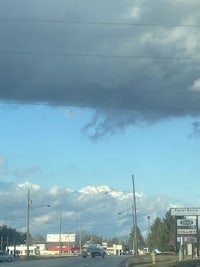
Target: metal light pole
x,y
29,202
28,223
80,241
135,238
149,225
60,235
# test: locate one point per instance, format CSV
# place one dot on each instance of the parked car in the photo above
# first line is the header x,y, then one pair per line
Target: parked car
x,y
4,256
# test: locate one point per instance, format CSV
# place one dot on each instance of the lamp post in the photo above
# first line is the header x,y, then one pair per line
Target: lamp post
x,y
149,230
60,235
29,202
135,238
135,234
28,223
80,241
149,225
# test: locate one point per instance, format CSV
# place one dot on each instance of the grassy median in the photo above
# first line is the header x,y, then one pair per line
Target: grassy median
x,y
162,260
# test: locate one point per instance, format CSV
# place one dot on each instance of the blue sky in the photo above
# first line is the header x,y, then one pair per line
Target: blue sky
x,y
47,146
93,92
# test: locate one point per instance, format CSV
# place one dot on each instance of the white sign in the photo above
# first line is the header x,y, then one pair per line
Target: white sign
x,y
186,231
185,211
186,222
189,249
61,237
104,245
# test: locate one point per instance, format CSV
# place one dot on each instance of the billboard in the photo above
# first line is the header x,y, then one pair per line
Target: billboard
x,y
61,238
185,211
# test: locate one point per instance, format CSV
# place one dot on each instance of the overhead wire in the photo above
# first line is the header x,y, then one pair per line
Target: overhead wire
x,y
33,53
93,22
88,55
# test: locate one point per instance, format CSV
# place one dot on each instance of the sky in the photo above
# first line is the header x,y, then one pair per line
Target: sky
x,y
93,92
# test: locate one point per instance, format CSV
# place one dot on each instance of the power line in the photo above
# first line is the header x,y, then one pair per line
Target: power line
x,y
114,23
33,53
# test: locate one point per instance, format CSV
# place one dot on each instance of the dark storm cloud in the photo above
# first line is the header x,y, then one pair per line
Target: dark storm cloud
x,y
129,60
195,129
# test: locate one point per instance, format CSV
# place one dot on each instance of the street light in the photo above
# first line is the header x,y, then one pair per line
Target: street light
x,y
149,229
149,225
60,235
135,238
29,202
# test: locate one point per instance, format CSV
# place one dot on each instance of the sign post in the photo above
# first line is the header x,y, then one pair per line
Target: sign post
x,y
186,227
181,249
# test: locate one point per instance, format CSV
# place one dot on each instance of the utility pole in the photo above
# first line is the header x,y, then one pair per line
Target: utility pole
x,y
80,241
29,202
135,238
60,236
149,224
28,222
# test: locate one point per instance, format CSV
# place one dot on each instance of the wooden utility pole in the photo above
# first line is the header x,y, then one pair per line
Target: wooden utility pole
x,y
28,222
135,238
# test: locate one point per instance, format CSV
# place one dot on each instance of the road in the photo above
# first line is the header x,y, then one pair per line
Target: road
x,y
110,261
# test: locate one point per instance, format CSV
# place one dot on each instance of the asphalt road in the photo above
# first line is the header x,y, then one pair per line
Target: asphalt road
x,y
110,261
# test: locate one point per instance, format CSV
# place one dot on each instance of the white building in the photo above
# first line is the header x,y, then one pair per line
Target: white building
x,y
114,250
22,249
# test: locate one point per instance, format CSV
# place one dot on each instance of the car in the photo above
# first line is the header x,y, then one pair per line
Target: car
x,y
4,256
92,250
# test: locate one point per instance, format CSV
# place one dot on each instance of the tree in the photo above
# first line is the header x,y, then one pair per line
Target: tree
x,y
169,231
155,237
140,239
10,236
113,241
39,239
162,234
87,237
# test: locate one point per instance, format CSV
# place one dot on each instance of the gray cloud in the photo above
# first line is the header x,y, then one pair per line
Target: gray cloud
x,y
88,54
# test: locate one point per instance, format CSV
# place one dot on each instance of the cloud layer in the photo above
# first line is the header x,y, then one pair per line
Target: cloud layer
x,y
130,61
98,210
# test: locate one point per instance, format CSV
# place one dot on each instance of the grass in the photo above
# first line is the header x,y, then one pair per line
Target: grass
x,y
162,260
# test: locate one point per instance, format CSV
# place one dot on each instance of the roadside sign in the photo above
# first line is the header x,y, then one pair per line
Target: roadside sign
x,y
186,231
185,211
61,237
186,222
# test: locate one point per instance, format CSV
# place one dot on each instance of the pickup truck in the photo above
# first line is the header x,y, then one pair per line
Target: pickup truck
x,y
4,256
92,250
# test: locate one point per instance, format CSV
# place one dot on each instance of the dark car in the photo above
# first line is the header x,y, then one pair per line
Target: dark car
x,y
93,250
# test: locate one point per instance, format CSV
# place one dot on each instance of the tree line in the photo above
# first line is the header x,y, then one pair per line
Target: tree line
x,y
10,236
161,235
